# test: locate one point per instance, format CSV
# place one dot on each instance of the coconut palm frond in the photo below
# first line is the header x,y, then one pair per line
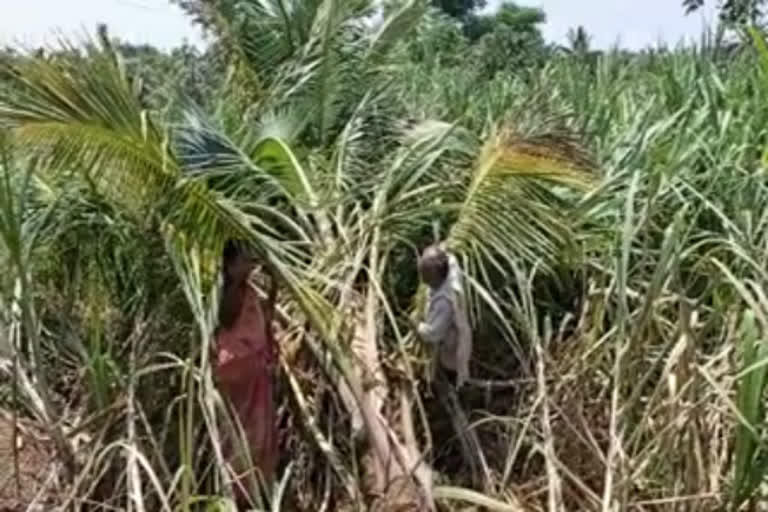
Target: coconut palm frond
x,y
87,112
401,21
206,150
509,212
553,158
84,116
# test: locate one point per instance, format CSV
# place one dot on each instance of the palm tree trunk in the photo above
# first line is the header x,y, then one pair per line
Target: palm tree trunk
x,y
390,460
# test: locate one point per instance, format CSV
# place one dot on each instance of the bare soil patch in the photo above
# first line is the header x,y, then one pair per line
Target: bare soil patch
x,y
23,471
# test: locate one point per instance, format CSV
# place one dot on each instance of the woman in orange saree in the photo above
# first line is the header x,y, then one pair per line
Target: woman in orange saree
x,y
245,363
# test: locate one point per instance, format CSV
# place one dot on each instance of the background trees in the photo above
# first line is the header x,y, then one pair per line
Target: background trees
x,y
459,8
732,11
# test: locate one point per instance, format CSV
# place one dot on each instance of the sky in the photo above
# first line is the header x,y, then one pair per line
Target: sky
x,y
631,23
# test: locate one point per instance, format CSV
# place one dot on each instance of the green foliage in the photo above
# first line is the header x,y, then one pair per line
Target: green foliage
x,y
579,40
509,15
609,210
732,12
506,49
507,40
750,461
437,41
458,8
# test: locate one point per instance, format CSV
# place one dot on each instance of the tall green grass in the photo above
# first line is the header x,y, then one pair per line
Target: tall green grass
x,y
654,346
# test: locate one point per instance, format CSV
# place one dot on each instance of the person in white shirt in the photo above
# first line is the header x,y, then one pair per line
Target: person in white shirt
x,y
446,325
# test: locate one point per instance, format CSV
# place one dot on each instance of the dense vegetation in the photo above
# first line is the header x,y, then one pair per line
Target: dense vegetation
x,y
610,210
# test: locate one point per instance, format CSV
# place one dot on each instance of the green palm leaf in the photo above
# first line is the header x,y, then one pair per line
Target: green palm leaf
x,y
83,116
401,21
506,212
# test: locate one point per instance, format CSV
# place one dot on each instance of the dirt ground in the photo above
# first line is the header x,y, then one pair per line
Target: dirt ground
x,y
20,489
